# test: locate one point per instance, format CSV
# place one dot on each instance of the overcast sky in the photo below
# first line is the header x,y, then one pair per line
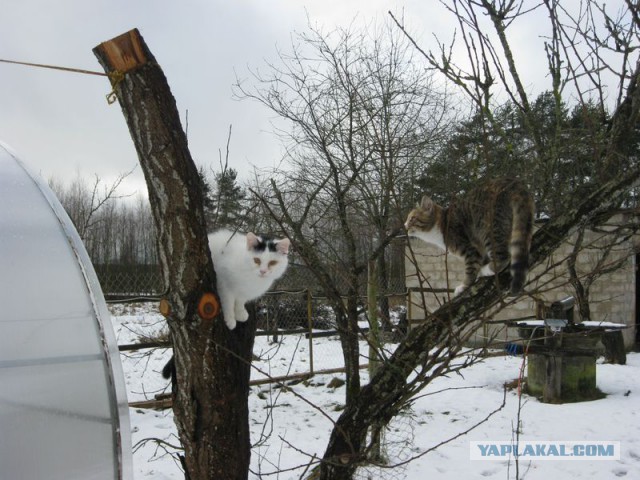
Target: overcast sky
x,y
60,123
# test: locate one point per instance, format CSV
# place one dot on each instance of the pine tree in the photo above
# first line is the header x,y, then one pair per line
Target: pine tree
x,y
224,201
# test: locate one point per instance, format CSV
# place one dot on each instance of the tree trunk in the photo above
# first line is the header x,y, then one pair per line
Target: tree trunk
x,y
349,334
211,363
383,286
580,290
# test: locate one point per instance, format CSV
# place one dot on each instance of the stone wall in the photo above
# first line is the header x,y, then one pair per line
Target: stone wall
x,y
611,299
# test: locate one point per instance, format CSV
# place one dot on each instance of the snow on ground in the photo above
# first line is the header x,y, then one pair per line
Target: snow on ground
x,y
287,431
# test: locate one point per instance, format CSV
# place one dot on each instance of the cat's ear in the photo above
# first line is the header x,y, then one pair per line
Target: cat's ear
x,y
426,203
252,241
282,246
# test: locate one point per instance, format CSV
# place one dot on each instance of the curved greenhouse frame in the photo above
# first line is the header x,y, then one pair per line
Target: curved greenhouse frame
x,y
63,406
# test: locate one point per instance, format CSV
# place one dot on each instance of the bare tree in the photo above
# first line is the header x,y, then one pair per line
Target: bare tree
x,y
88,205
83,202
492,64
362,114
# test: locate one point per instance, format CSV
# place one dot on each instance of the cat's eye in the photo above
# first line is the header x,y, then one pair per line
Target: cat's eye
x,y
257,261
272,263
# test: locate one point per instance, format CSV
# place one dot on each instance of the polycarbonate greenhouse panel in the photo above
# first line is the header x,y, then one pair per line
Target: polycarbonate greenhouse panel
x,y
63,406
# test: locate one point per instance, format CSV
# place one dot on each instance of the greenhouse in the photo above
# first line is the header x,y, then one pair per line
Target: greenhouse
x,y
63,408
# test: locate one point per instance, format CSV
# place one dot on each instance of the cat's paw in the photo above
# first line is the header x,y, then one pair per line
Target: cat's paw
x,y
241,313
486,271
459,289
242,316
230,321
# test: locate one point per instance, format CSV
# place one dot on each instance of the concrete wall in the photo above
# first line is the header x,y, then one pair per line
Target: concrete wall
x,y
612,295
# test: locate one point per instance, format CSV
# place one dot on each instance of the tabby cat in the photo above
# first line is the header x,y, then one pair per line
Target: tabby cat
x,y
490,227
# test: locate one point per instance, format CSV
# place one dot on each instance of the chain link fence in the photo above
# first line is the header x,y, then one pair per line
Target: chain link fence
x,y
305,320
127,282
289,318
391,452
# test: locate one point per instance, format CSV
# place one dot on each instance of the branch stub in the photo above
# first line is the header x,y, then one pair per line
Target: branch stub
x,y
208,306
165,307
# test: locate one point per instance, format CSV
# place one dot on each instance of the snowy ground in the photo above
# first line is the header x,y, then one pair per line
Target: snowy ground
x,y
287,432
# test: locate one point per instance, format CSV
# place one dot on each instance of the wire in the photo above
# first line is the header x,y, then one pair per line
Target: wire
x,y
55,67
116,76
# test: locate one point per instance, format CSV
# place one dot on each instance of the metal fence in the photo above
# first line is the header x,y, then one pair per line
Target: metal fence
x,y
124,281
121,282
296,335
281,316
296,332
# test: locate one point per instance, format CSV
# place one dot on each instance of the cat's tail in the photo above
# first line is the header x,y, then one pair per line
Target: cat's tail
x,y
169,369
521,233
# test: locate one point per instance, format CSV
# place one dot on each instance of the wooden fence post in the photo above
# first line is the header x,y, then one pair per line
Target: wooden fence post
x,y
310,320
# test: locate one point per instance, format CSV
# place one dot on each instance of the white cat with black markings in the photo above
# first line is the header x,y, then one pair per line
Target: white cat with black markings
x,y
246,266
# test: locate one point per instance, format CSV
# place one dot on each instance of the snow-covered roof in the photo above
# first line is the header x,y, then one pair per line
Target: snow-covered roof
x,y
63,406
